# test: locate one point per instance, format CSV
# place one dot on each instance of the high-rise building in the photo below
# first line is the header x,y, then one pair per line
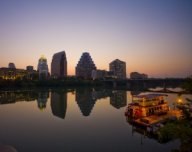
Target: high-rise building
x,y
42,68
59,65
118,68
85,66
11,66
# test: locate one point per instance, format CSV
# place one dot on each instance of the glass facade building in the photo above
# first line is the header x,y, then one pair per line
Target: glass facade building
x,y
59,65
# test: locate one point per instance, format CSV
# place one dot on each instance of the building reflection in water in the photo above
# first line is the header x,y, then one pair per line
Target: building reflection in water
x,y
118,99
59,104
42,99
85,100
7,97
143,132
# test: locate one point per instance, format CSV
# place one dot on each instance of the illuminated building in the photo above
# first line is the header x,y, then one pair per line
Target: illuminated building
x,y
42,68
118,67
59,65
12,74
85,66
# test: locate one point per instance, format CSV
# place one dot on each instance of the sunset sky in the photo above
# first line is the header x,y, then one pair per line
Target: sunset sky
x,y
151,36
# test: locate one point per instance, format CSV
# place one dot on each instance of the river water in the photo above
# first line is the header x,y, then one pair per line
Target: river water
x,y
81,119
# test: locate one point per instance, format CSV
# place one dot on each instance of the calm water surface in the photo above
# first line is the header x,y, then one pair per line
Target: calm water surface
x,y
88,120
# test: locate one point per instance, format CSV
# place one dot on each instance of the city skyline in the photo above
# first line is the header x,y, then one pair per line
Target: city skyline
x,y
152,37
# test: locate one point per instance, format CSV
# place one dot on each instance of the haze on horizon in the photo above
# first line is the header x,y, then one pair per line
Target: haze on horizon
x,y
151,36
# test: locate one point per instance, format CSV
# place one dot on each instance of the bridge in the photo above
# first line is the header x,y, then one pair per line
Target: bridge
x,y
145,83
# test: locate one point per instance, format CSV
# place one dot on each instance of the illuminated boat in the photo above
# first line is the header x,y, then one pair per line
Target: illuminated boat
x,y
150,109
147,105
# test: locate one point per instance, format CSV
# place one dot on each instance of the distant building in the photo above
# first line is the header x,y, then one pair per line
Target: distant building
x,y
59,65
31,73
102,74
98,74
136,75
29,68
118,67
12,73
85,66
42,68
11,66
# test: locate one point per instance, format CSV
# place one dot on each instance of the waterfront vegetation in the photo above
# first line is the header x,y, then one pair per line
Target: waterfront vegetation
x,y
48,83
178,129
187,85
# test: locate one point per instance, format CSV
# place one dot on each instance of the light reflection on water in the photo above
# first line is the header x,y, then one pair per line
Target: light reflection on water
x,y
76,120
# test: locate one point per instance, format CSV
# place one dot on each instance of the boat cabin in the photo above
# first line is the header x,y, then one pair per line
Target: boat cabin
x,y
146,105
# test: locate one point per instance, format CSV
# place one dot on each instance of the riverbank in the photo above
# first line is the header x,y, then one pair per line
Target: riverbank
x,y
47,83
127,84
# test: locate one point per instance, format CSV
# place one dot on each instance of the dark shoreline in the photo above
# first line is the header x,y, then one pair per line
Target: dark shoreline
x,y
129,85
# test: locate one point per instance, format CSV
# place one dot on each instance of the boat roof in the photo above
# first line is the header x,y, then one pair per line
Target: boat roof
x,y
149,96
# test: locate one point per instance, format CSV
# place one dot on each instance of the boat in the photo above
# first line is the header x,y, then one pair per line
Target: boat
x,y
150,109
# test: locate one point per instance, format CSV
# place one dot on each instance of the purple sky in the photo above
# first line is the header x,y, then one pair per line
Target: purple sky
x,y
151,36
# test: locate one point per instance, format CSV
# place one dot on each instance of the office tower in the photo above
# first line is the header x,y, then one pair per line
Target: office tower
x,y
85,66
59,65
118,67
42,68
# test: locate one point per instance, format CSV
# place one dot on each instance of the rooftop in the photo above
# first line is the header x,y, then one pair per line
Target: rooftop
x,y
150,96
